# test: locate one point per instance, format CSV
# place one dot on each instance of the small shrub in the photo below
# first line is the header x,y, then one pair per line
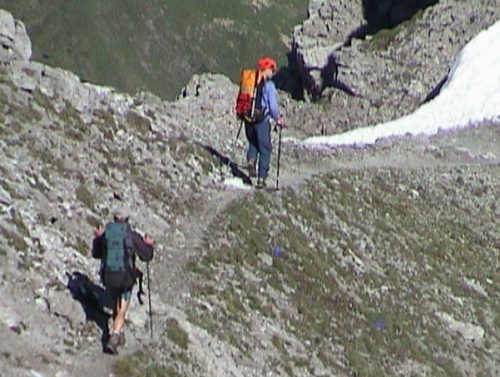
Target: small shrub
x,y
177,334
85,196
14,239
140,364
137,122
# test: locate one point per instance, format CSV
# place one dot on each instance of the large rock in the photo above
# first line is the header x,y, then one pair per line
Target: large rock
x,y
380,14
326,29
14,40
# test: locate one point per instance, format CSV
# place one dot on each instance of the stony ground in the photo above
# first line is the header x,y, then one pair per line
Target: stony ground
x,y
51,326
385,258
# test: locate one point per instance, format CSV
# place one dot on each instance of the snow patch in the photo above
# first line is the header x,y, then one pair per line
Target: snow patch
x,y
236,183
469,96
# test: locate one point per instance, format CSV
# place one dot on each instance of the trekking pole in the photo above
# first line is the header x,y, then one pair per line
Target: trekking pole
x,y
239,131
235,145
279,155
149,299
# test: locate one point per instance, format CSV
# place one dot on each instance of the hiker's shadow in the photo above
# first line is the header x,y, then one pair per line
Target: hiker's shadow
x,y
93,299
330,78
233,166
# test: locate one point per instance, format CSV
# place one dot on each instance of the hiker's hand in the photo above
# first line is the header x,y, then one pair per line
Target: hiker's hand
x,y
148,240
280,123
99,231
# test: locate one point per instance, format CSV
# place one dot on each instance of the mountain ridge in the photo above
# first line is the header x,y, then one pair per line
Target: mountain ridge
x,y
155,45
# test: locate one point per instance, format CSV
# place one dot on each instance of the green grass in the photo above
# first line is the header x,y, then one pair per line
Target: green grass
x,y
347,236
14,238
155,45
141,364
177,334
85,196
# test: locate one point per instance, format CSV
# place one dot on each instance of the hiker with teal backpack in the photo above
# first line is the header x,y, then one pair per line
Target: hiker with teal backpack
x,y
257,125
116,246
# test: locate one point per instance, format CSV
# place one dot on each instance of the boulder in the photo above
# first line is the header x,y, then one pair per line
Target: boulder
x,y
328,26
14,41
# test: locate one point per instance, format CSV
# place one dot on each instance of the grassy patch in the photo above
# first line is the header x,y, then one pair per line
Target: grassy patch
x,y
14,238
141,364
279,344
137,122
85,196
363,257
177,334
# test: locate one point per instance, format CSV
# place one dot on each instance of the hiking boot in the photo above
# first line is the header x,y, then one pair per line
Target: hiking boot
x,y
122,338
261,183
251,168
113,343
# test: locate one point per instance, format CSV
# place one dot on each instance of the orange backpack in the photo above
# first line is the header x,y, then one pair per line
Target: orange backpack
x,y
248,106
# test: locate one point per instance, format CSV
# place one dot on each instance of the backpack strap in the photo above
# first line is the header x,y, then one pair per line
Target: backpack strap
x,y
138,273
254,95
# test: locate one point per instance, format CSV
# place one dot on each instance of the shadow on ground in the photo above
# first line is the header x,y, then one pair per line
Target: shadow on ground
x,y
93,299
233,166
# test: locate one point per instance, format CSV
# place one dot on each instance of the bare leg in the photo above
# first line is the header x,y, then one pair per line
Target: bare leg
x,y
119,317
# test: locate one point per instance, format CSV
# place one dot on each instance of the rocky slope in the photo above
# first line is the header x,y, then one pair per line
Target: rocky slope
x,y
377,261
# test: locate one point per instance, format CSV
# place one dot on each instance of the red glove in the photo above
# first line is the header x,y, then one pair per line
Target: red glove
x,y
99,231
280,123
148,240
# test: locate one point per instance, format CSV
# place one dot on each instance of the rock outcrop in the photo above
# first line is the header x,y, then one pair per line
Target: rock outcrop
x,y
391,72
14,41
328,26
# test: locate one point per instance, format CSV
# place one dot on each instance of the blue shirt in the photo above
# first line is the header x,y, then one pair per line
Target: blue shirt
x,y
269,100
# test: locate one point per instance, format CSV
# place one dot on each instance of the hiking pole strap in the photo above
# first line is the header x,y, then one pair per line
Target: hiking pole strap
x,y
239,130
149,299
139,276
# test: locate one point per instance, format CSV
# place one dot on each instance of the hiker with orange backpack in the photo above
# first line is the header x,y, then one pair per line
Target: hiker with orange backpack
x,y
116,246
264,107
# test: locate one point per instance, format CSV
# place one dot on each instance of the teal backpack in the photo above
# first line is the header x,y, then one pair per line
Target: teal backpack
x,y
119,272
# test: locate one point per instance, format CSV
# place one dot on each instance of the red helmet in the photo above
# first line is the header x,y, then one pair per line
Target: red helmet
x,y
265,63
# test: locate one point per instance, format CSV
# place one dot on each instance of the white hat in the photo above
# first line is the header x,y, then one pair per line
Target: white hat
x,y
121,212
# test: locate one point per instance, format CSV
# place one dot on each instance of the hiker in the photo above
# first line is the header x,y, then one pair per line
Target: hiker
x,y
116,246
259,134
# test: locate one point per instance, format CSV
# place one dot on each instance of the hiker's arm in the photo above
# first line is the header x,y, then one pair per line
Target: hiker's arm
x,y
98,246
272,100
143,249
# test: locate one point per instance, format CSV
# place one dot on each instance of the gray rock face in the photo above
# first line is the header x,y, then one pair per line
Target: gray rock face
x,y
327,28
14,41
